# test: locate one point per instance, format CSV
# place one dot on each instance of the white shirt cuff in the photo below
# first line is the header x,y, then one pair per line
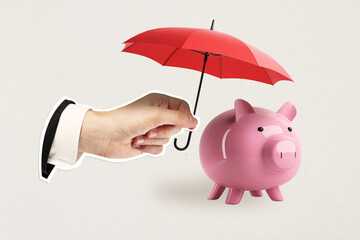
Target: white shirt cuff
x,y
64,150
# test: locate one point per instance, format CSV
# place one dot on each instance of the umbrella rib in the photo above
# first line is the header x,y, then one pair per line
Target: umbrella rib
x,y
170,56
209,54
216,55
267,76
198,51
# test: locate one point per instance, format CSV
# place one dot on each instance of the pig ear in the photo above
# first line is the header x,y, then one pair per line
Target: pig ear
x,y
242,107
288,110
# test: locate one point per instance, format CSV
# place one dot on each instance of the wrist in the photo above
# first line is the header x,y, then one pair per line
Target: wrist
x,y
94,137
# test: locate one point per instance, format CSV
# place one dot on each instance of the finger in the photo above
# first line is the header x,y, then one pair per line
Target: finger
x,y
194,126
173,117
165,101
165,131
155,141
152,149
181,105
178,104
137,141
143,140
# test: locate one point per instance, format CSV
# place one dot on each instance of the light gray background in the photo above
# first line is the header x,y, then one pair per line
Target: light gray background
x,y
54,48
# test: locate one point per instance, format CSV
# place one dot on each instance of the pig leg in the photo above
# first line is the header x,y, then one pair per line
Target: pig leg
x,y
234,196
275,194
216,191
256,193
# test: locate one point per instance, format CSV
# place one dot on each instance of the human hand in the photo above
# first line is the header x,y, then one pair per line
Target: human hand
x,y
142,126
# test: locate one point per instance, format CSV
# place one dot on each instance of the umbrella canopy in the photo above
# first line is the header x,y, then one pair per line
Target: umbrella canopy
x,y
212,52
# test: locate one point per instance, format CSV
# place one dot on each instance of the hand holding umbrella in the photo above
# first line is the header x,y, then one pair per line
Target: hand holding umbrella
x,y
142,126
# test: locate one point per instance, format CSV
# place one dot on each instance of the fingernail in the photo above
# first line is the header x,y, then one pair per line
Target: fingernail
x,y
140,140
153,133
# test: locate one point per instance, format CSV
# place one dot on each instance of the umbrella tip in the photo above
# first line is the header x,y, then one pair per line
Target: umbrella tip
x,y
212,24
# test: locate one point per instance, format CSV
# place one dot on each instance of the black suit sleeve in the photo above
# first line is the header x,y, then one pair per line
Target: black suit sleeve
x,y
46,167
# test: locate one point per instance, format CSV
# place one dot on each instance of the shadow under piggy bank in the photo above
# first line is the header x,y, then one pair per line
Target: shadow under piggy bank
x,y
194,192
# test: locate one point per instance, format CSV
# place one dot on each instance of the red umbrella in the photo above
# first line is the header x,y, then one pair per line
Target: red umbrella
x,y
208,51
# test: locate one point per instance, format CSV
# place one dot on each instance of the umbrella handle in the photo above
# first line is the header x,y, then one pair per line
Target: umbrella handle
x,y
187,143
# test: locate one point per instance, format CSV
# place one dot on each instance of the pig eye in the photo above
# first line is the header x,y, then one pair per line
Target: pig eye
x,y
290,129
260,129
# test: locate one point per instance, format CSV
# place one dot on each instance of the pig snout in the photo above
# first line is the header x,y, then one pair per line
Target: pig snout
x,y
281,154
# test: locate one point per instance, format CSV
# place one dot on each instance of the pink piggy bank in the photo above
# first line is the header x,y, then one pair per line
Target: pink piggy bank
x,y
250,148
